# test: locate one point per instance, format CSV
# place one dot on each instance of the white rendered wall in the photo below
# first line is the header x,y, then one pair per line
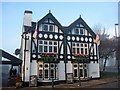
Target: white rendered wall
x,y
95,53
26,74
33,67
69,67
61,51
61,70
56,28
93,71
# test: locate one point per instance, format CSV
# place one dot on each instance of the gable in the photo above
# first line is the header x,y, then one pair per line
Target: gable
x,y
50,19
80,24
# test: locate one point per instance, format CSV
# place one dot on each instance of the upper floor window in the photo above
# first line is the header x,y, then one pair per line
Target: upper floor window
x,y
45,46
47,27
79,48
79,31
51,28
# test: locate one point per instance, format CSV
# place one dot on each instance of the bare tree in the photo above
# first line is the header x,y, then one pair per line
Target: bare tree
x,y
107,45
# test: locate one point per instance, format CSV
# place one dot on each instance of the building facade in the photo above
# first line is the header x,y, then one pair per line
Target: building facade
x,y
51,51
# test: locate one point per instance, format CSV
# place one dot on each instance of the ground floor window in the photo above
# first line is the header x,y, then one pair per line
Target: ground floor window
x,y
80,70
75,73
40,73
47,70
52,73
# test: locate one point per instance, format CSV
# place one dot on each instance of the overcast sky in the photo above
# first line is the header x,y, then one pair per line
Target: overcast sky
x,y
93,13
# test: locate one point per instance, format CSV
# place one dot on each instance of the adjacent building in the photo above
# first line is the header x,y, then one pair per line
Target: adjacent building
x,y
52,51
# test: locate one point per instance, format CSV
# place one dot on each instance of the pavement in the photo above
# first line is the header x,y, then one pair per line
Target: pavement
x,y
85,84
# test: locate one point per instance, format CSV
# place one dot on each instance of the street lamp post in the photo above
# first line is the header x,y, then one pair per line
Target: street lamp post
x,y
117,50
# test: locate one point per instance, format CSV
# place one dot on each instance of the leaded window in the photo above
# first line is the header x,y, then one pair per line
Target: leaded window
x,y
50,48
51,28
45,27
75,72
81,31
45,46
80,70
52,73
48,27
47,71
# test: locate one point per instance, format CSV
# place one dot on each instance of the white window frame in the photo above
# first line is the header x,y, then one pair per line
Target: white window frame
x,y
48,26
79,31
48,44
49,68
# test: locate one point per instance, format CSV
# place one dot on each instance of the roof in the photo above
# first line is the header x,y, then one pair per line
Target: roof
x,y
65,29
49,15
80,20
13,60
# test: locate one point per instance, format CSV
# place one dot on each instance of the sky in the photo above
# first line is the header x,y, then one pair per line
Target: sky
x,y
93,13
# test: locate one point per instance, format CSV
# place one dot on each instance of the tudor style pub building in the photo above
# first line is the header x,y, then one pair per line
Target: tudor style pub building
x,y
51,51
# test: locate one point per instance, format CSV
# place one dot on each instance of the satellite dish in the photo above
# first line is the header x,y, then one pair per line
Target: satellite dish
x,y
17,51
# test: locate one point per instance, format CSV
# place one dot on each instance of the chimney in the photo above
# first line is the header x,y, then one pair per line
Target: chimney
x,y
27,18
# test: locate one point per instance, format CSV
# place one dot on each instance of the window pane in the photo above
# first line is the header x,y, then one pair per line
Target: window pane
x,y
81,31
46,73
55,49
50,43
85,65
40,42
85,72
46,65
82,51
73,50
52,65
50,48
81,72
40,73
78,51
55,43
78,44
85,50
81,66
40,49
40,65
45,48
76,31
51,73
85,45
73,44
51,28
75,72
75,65
81,45
45,28
45,42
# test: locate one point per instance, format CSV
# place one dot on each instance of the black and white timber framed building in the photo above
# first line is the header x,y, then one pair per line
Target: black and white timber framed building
x,y
58,50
